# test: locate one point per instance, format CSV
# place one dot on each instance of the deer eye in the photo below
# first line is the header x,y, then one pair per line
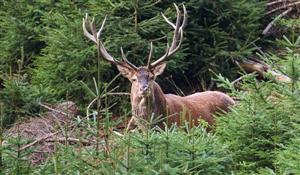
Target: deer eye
x,y
133,79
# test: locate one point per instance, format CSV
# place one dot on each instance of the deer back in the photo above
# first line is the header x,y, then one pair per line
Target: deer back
x,y
197,106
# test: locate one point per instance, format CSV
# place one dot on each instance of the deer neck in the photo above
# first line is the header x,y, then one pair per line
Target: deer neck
x,y
145,107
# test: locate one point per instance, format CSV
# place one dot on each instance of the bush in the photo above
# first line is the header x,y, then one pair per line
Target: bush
x,y
267,117
166,152
287,160
220,32
20,24
19,99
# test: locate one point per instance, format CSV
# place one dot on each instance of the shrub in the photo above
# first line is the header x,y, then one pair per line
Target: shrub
x,y
167,152
287,160
267,117
20,22
220,32
19,99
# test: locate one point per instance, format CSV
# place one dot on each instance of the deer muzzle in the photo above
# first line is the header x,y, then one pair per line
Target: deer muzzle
x,y
144,91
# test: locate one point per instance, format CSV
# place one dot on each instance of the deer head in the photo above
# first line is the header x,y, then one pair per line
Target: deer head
x,y
142,78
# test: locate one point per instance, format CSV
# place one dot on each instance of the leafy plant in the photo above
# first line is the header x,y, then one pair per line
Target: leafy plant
x,y
20,99
266,118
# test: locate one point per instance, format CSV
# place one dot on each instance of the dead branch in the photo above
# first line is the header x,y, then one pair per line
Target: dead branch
x,y
283,7
51,109
71,140
118,93
37,141
278,1
262,68
269,26
252,66
238,79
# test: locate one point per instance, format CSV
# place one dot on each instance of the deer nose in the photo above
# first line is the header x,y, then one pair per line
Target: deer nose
x,y
144,88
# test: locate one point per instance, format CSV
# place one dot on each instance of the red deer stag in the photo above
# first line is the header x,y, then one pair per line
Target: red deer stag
x,y
147,98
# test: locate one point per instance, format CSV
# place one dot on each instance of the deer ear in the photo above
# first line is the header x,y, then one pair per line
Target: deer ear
x,y
157,70
126,71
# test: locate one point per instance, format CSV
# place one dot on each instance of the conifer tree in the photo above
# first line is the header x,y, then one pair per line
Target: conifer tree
x,y
216,32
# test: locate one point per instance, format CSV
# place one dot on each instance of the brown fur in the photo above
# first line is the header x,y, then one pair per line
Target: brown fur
x,y
190,108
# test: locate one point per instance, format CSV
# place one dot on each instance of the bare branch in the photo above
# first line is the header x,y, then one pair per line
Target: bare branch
x,y
278,1
51,109
37,141
266,30
283,7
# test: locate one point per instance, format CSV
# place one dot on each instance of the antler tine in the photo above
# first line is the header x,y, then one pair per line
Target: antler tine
x,y
184,16
150,55
157,62
167,20
126,61
101,28
174,50
177,36
93,27
178,20
96,38
85,31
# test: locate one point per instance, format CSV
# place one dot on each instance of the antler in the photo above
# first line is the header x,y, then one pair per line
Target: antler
x,y
96,38
177,37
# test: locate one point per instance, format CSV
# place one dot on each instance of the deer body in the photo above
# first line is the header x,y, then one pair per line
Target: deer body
x,y
147,98
202,105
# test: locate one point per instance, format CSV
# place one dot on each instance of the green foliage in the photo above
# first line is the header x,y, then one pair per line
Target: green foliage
x,y
220,32
19,32
172,151
288,159
260,124
15,162
290,27
19,44
20,99
175,151
63,61
266,120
